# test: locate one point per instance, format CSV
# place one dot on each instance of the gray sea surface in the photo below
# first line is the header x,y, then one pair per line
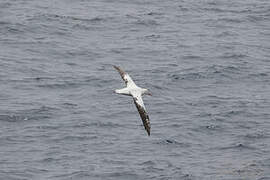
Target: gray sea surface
x,y
206,62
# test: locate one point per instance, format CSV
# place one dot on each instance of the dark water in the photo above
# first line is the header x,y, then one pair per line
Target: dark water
x,y
206,62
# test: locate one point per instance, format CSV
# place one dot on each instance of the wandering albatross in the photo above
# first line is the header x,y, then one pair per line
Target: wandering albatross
x,y
136,92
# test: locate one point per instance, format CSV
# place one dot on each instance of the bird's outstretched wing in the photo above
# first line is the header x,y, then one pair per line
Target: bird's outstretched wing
x,y
129,82
142,111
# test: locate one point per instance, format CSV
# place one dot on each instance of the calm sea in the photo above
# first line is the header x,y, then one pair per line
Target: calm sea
x,y
206,62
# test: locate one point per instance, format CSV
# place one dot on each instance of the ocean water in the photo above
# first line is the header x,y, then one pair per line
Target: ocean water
x,y
206,62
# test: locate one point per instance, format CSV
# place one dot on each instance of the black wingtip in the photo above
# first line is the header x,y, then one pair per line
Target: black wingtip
x,y
148,131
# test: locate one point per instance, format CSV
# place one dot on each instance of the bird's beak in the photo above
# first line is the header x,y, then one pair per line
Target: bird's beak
x,y
149,93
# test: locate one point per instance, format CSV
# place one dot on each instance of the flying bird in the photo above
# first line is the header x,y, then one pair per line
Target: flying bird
x,y
136,92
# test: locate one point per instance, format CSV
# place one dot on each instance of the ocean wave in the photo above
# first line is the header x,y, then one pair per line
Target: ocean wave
x,y
233,56
70,82
44,112
146,22
260,76
239,146
231,20
208,72
74,175
13,28
227,10
256,135
173,142
59,17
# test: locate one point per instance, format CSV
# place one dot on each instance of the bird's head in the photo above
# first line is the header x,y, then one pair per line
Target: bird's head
x,y
147,92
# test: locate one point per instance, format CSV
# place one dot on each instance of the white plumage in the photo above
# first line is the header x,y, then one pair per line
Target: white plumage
x,y
136,92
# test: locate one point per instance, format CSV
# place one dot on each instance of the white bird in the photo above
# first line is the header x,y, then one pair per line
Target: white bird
x,y
136,92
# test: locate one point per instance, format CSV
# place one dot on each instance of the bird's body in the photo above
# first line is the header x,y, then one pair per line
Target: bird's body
x,y
136,92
